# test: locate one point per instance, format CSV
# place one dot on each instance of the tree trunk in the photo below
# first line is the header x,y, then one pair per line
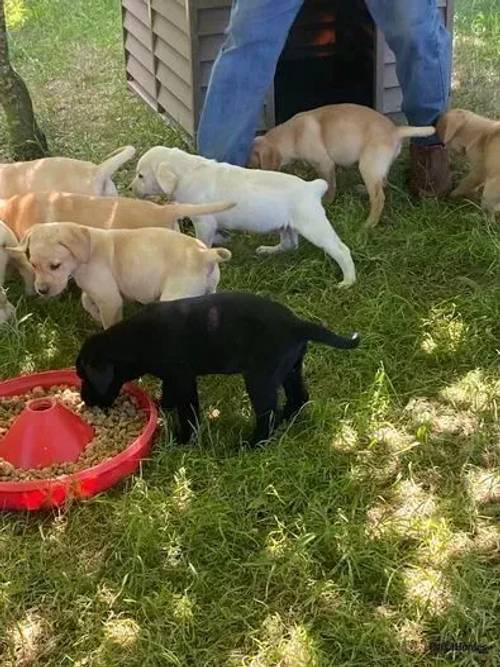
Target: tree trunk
x,y
27,141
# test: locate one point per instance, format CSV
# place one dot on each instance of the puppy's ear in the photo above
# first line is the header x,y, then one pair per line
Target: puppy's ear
x,y
449,124
254,161
100,375
167,180
265,155
76,239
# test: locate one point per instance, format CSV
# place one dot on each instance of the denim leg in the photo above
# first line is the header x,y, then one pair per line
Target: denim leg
x,y
415,31
242,75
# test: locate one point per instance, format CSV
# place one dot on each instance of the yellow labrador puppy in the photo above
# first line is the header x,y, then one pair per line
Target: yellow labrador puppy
x,y
113,265
62,173
266,201
343,135
19,213
479,138
22,211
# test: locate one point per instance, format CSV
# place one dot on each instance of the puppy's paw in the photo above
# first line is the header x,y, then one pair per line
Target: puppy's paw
x,y
267,250
369,224
345,284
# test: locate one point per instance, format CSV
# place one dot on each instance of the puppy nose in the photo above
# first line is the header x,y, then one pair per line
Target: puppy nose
x,y
42,290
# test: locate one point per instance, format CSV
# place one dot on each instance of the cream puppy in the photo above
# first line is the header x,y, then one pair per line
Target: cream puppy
x,y
22,211
266,201
338,135
62,173
111,266
479,138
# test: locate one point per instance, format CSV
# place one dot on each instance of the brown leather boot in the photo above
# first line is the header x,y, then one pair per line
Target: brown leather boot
x,y
430,174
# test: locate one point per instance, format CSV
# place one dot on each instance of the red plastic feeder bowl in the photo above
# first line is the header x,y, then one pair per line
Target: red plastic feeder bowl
x,y
46,432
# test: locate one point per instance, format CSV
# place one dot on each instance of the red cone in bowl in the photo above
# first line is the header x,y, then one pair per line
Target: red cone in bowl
x,y
44,434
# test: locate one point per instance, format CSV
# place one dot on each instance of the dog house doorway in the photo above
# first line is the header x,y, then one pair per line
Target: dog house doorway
x,y
334,54
328,58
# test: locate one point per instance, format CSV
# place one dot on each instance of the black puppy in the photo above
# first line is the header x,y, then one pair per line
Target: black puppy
x,y
229,332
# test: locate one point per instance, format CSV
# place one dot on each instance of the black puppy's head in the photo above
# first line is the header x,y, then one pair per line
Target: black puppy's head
x,y
101,383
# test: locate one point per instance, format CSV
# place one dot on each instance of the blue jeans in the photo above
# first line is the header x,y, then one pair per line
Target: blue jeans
x,y
244,69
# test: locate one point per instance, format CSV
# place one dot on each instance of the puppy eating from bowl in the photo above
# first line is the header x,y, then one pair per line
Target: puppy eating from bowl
x,y
115,265
225,333
266,201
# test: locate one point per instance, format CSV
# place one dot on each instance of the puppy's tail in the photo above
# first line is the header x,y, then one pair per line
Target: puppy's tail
x,y
194,210
406,131
114,161
219,255
319,334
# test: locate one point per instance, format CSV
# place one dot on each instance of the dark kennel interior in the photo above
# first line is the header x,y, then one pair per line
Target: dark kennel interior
x,y
328,58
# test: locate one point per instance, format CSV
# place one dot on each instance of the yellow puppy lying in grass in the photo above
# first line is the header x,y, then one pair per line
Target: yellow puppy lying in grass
x,y
338,135
479,138
62,173
114,265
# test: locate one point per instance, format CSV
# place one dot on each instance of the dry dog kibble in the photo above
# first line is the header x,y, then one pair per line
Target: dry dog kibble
x,y
114,430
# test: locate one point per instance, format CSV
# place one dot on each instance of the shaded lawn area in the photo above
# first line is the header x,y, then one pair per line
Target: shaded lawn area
x,y
362,534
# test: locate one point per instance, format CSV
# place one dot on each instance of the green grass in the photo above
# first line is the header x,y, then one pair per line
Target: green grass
x,y
360,535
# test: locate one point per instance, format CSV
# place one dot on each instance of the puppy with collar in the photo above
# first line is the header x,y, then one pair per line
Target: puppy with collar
x,y
62,173
266,201
338,135
479,138
114,265
225,333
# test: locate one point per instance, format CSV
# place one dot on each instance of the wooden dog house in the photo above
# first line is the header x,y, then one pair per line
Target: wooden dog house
x,y
334,53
